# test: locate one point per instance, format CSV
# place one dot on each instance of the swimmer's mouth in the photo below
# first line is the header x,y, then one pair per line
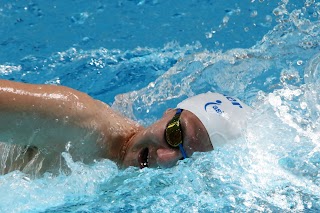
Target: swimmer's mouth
x,y
144,158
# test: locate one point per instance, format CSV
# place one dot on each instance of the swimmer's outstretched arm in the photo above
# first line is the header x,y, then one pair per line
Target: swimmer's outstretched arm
x,y
53,116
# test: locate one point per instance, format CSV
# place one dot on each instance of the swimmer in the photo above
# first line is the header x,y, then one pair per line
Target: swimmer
x,y
50,119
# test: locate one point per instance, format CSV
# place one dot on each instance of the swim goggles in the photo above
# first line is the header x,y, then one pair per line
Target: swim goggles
x,y
173,133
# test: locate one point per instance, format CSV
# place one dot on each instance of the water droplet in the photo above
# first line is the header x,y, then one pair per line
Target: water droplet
x,y
254,13
268,18
208,35
308,3
225,20
152,84
80,18
315,14
303,105
26,178
68,145
277,12
299,62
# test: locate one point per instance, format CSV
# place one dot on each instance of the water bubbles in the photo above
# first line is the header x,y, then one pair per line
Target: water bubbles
x,y
254,13
246,29
68,146
210,34
312,71
26,178
268,21
152,84
307,44
308,3
55,81
80,18
274,100
315,14
225,20
143,2
66,119
9,69
299,62
303,105
268,18
98,63
279,11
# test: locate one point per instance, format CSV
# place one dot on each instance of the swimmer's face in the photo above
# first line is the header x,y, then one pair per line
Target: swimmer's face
x,y
150,149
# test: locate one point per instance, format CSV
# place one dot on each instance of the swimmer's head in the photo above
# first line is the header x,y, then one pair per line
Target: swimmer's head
x,y
177,135
224,117
206,122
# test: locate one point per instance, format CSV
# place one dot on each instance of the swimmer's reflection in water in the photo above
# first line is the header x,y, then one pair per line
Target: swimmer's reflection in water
x,y
40,121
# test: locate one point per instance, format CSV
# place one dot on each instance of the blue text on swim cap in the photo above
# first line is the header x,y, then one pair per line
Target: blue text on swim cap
x,y
233,101
214,106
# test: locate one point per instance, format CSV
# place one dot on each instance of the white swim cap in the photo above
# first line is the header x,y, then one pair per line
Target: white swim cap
x,y
224,117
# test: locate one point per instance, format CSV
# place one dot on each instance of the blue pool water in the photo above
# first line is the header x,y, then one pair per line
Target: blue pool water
x,y
143,56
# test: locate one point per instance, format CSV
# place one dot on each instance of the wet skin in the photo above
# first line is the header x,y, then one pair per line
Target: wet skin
x,y
148,147
49,117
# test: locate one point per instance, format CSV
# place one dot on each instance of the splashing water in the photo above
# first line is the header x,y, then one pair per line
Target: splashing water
x,y
274,167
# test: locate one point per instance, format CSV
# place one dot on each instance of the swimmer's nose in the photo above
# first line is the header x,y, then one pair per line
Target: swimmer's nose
x,y
167,157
